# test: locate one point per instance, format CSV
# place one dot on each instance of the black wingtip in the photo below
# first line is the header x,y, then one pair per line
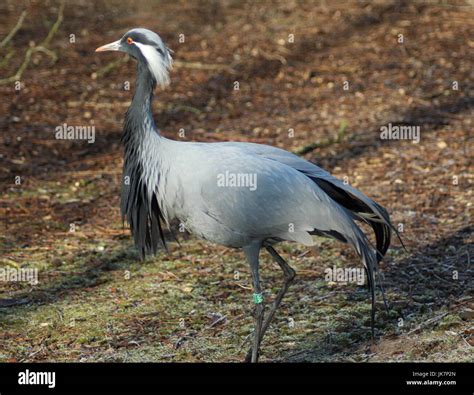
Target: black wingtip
x,y
398,236
401,242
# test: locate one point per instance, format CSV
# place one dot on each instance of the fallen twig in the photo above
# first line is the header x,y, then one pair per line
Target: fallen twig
x,y
203,66
109,67
7,58
427,323
323,143
12,33
40,48
271,56
55,26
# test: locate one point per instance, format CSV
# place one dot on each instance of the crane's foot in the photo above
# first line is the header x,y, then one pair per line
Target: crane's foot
x,y
248,357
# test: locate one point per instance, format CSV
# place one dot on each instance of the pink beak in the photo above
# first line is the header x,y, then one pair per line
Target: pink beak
x,y
115,46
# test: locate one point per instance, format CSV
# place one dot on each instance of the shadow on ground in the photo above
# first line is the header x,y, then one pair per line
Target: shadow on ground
x,y
423,283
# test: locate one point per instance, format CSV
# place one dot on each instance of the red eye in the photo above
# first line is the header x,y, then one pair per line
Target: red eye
x,y
129,40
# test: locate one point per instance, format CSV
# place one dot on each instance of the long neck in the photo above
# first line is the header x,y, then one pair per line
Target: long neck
x,y
140,202
139,118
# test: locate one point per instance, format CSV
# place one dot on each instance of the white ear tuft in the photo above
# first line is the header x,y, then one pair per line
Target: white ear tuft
x,y
159,66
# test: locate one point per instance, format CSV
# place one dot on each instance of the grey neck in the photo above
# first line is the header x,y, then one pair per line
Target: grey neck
x,y
139,117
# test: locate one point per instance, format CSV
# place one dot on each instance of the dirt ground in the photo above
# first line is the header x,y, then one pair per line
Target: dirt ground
x,y
59,204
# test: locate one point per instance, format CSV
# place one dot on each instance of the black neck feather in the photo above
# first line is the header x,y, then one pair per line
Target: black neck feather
x,y
138,206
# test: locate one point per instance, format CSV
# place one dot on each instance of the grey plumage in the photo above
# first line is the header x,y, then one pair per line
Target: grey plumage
x,y
293,199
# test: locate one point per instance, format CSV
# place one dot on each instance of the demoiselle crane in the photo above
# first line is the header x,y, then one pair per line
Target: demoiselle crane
x,y
240,195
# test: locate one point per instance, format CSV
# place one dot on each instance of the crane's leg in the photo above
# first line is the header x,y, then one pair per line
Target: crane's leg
x,y
289,275
252,252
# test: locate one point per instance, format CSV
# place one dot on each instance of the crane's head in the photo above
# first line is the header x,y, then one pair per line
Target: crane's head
x,y
148,49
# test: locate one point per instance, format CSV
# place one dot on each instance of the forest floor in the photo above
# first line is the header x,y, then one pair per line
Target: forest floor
x,y
59,199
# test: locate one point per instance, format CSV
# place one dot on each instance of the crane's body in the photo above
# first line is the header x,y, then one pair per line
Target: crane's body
x,y
240,195
285,203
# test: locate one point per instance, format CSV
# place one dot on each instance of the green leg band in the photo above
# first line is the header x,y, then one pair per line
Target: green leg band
x,y
257,298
